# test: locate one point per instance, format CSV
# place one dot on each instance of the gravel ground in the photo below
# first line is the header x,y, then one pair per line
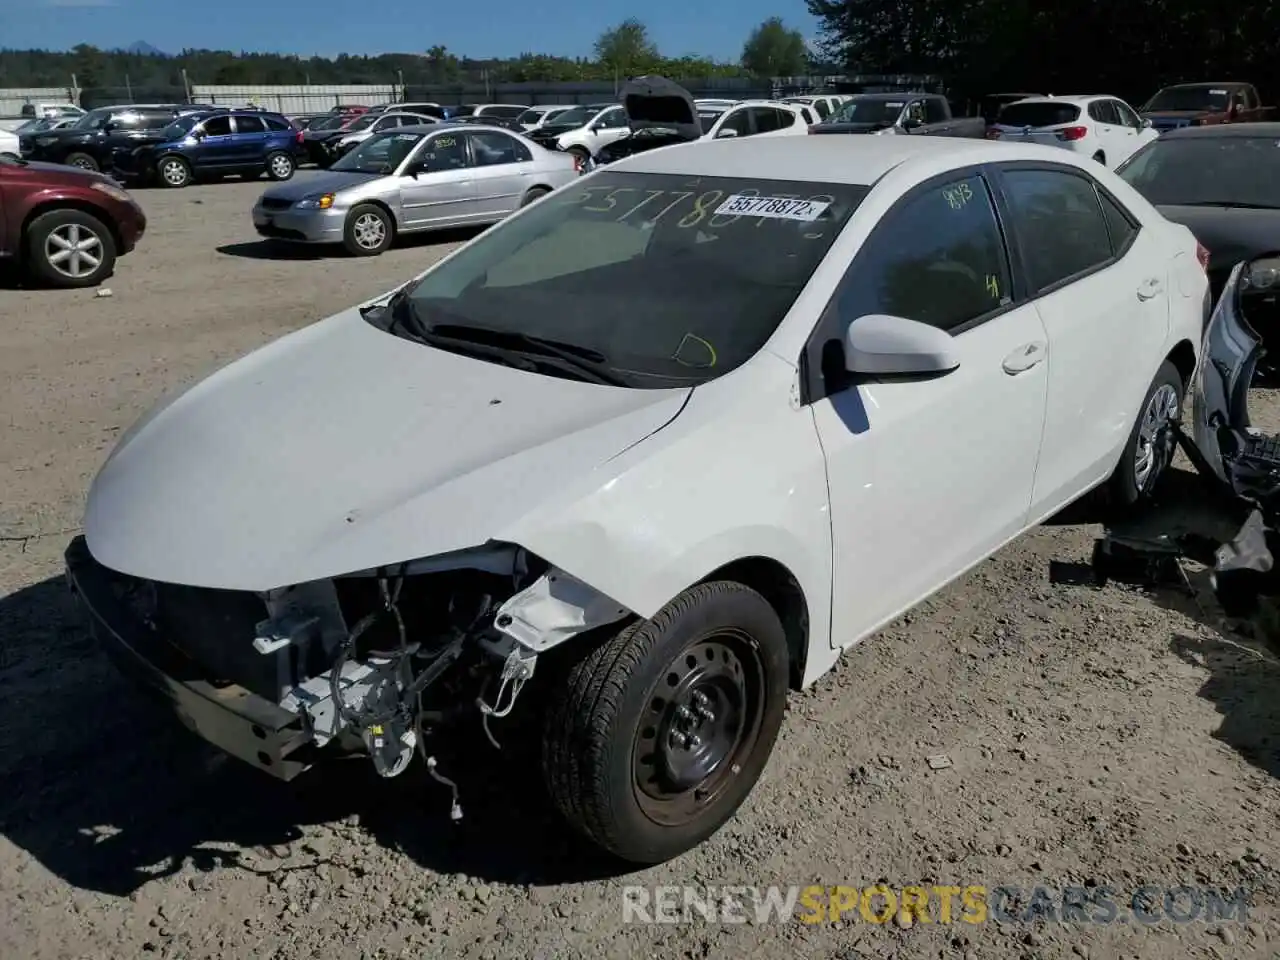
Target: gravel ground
x,y
1096,737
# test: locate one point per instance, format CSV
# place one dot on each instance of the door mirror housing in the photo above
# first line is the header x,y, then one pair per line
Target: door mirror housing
x,y
882,345
1146,123
726,132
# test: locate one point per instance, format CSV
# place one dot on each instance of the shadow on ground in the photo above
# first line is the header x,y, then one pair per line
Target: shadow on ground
x,y
108,791
267,249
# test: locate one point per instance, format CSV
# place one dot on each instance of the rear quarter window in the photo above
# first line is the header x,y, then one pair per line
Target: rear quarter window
x,y
1038,114
1061,229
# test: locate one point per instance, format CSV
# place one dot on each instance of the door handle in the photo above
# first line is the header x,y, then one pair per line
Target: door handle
x,y
1149,288
1025,357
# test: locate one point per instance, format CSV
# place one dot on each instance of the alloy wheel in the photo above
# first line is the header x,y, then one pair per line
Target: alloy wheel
x,y
73,250
369,231
1155,444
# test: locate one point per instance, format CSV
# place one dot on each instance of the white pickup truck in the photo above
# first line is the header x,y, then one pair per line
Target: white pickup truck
x,y
39,111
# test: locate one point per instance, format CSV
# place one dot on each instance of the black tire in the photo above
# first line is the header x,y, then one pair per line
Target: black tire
x,y
173,172
357,234
82,160
68,223
613,740
280,166
533,195
1127,488
582,153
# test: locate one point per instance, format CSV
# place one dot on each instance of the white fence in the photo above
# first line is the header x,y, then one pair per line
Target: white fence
x,y
13,100
312,99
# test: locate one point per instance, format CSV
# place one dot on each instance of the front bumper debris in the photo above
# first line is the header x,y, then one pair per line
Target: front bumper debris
x,y
229,717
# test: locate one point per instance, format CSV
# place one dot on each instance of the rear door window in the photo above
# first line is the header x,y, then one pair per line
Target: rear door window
x,y
1038,114
250,124
1120,225
1060,224
277,123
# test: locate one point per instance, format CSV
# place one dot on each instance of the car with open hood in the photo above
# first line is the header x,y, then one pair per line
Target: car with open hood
x,y
1223,183
412,179
619,471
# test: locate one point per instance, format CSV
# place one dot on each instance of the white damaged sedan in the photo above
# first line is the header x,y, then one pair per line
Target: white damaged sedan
x,y
675,435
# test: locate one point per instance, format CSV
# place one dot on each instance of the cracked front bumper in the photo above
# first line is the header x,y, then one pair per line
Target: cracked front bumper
x,y
231,718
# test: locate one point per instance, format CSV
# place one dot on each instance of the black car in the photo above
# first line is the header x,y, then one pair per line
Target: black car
x,y
320,138
1221,182
92,140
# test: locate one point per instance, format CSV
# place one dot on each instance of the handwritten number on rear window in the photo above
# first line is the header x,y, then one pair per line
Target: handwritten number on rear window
x,y
958,197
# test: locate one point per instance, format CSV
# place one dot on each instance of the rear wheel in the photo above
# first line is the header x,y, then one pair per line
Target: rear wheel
x,y
368,231
1152,441
533,195
82,160
582,153
174,172
661,732
280,166
70,248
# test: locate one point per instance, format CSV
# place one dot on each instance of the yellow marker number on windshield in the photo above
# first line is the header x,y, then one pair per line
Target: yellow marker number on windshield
x,y
701,207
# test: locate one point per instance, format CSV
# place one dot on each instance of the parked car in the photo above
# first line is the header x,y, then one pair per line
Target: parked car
x,y
686,429
990,106
822,104
512,125
1220,181
214,144
583,130
1203,104
321,138
662,113
64,225
40,111
410,180
303,120
1104,128
538,116
9,146
897,113
372,123
495,111
91,141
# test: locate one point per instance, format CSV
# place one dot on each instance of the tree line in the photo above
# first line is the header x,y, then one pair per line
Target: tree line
x,y
1123,47
623,51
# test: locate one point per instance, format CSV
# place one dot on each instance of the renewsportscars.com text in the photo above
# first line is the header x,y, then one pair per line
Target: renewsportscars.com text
x,y
974,904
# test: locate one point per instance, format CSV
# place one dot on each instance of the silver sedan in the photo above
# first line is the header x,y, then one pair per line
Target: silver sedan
x,y
410,180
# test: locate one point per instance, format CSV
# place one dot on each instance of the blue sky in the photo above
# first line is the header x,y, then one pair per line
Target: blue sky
x,y
497,28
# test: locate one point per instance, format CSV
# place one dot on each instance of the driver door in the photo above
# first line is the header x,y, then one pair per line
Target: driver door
x,y
438,187
928,475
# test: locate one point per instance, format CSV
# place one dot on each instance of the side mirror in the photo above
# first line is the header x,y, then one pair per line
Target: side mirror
x,y
883,345
727,132
1146,123
910,123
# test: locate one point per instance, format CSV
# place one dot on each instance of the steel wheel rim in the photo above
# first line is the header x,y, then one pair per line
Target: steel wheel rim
x,y
1155,437
73,250
701,723
281,166
83,164
174,172
369,231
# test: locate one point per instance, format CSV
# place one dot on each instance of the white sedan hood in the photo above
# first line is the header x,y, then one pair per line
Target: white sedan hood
x,y
340,448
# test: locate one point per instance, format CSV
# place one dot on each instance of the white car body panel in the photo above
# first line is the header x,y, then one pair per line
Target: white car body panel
x,y
343,459
9,143
799,128
1116,143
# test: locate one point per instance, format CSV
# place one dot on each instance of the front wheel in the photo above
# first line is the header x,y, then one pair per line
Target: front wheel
x,y
82,160
175,172
663,730
368,231
70,248
1152,441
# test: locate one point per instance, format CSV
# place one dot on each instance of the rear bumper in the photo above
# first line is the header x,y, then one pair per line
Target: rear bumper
x,y
237,722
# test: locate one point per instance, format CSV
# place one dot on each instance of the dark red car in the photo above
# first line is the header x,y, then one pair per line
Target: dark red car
x,y
64,225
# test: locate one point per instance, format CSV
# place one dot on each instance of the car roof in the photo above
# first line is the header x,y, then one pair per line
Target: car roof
x,y
1187,86
851,160
1267,130
899,95
451,125
1076,100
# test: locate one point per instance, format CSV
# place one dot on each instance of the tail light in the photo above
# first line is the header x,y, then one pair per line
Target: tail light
x,y
993,133
297,137
577,163
1073,133
1202,254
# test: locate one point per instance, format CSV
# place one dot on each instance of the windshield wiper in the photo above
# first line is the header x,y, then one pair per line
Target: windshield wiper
x,y
583,360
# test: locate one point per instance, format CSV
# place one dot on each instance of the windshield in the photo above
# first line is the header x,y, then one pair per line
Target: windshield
x,y
93,120
868,111
1207,171
532,115
1189,98
181,127
645,272
332,122
382,153
576,116
1039,114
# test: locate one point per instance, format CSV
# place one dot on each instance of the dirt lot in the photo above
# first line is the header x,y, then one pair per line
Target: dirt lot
x,y
1107,737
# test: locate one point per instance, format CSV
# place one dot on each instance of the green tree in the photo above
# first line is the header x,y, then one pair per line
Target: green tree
x,y
772,50
626,50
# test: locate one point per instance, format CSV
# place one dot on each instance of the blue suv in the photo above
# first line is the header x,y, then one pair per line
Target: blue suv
x,y
213,144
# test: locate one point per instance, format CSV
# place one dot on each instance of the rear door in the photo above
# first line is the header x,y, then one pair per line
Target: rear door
x,y
1108,131
502,168
1105,312
248,140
